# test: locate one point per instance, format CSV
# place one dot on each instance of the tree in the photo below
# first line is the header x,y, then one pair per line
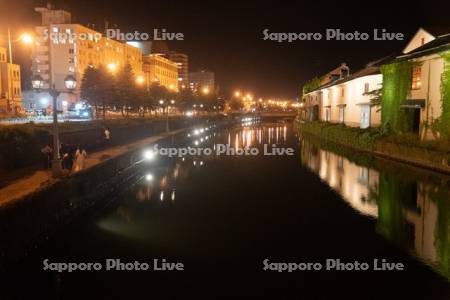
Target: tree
x,y
126,94
89,87
97,88
185,99
105,88
311,85
236,104
375,98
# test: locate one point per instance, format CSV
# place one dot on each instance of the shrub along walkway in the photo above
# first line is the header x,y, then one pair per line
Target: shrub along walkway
x,y
20,188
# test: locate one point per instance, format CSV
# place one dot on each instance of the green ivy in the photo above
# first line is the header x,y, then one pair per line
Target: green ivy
x,y
311,85
396,88
444,120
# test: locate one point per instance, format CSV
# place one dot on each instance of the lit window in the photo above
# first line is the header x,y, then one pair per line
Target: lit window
x,y
366,87
416,82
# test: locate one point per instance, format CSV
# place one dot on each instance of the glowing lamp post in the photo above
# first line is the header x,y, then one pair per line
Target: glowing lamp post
x,y
70,83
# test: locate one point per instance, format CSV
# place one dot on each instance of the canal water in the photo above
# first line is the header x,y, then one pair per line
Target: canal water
x,y
227,218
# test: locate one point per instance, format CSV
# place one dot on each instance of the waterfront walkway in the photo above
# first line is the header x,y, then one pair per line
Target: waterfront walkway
x,y
36,180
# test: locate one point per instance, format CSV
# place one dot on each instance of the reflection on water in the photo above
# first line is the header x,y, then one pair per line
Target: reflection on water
x,y
157,188
411,207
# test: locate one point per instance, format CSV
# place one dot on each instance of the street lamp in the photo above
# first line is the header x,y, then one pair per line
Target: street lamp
x,y
205,90
70,83
162,102
112,67
140,80
26,38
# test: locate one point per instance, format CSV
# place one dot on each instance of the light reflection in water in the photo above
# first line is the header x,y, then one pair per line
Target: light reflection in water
x,y
410,209
258,135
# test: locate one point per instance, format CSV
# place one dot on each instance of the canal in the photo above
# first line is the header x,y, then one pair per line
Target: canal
x,y
223,216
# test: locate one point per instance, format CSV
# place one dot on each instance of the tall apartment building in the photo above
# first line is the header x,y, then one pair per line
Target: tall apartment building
x,y
10,89
182,62
200,81
158,69
63,48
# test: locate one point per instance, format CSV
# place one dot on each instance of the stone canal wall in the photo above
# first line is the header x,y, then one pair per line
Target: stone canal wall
x,y
27,221
407,149
20,145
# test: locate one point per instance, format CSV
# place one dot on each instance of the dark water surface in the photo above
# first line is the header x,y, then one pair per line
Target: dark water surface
x,y
222,216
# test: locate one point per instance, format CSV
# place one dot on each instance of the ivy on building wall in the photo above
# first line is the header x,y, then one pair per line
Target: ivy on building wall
x,y
396,88
442,231
444,120
391,218
311,85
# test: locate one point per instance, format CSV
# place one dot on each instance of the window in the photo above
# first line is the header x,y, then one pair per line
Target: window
x,y
416,78
327,114
342,92
341,114
366,87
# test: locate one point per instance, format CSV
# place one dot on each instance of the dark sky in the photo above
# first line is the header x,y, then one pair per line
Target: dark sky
x,y
226,36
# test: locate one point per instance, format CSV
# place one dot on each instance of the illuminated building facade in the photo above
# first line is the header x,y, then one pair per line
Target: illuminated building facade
x,y
158,69
10,90
63,48
183,68
202,80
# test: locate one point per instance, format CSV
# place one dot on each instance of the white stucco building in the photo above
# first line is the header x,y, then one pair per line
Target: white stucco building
x,y
426,95
344,101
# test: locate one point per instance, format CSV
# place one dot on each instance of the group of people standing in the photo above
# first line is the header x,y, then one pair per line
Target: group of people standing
x,y
72,158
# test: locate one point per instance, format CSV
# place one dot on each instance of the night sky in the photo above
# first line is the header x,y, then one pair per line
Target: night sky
x,y
227,37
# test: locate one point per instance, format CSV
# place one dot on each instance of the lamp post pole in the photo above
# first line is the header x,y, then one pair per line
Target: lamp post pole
x,y
10,92
167,119
38,84
56,162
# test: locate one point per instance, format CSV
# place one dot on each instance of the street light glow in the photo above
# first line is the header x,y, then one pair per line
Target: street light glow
x,y
140,80
149,155
205,90
112,67
26,38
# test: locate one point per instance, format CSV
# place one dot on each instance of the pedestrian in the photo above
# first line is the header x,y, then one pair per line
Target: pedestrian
x,y
79,159
47,156
67,156
70,157
63,154
106,135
